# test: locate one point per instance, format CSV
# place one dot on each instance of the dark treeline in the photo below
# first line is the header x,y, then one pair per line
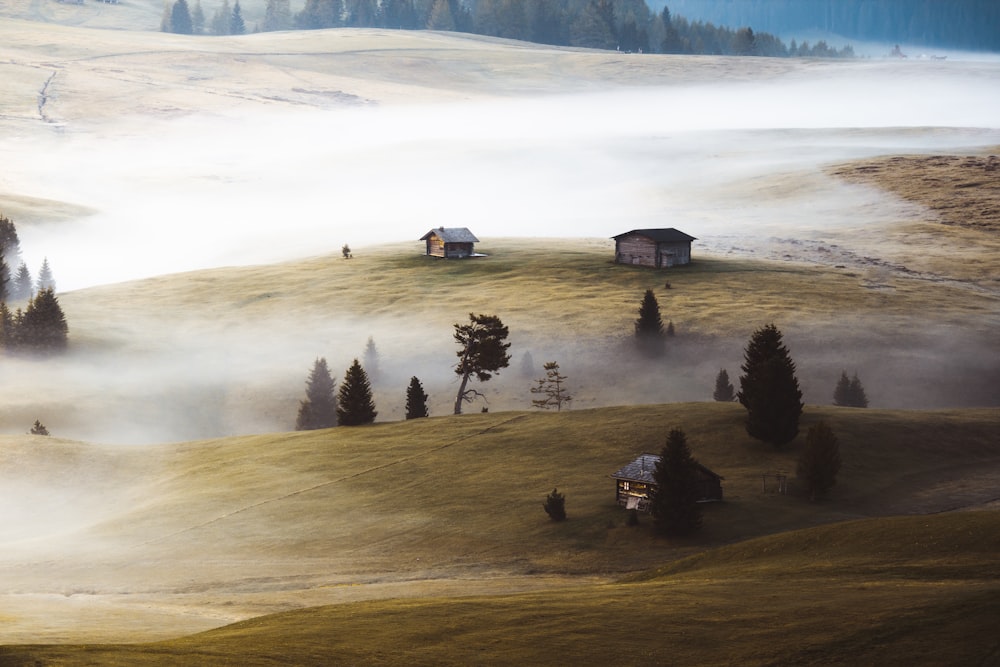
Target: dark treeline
x,y
625,25
957,24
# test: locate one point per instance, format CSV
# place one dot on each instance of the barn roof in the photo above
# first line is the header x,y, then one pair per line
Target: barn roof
x,y
664,235
641,470
452,235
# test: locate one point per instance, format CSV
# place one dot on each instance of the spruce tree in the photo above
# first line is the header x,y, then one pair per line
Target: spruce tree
x,y
649,327
354,400
23,287
38,428
45,279
277,15
180,18
236,23
674,503
319,410
371,358
723,388
858,396
416,400
849,392
220,19
7,334
820,461
9,242
769,389
43,327
552,388
197,18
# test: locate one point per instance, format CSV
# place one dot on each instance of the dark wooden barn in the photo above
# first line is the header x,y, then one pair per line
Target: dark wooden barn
x,y
634,483
656,248
450,242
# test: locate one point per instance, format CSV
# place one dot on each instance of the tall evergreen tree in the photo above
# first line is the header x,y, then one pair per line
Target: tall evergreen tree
x,y
723,388
371,358
277,15
441,17
416,400
7,332
849,392
197,18
180,18
319,410
43,328
220,19
482,352
23,287
674,504
319,14
354,400
820,461
6,284
769,389
9,242
236,24
649,333
45,280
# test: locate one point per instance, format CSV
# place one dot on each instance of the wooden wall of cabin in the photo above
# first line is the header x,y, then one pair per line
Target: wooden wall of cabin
x,y
635,250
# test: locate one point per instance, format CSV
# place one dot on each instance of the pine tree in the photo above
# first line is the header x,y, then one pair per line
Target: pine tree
x,y
220,19
371,358
7,334
769,389
441,17
38,428
277,15
859,398
319,410
236,24
180,18
197,18
482,352
555,505
9,242
551,387
43,327
849,392
416,400
6,285
23,287
820,461
354,400
674,503
649,327
723,388
45,279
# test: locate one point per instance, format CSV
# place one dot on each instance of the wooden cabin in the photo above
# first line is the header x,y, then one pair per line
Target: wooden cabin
x,y
450,242
656,248
634,483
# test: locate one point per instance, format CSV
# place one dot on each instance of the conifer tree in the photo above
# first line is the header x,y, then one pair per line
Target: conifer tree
x,y
319,410
197,18
354,400
38,428
236,24
10,244
45,279
416,400
43,327
849,392
277,15
220,19
180,18
769,389
674,504
649,327
482,352
441,17
552,388
6,284
371,358
820,461
7,332
723,388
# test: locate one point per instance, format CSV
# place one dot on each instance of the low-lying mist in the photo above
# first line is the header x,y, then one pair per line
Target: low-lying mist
x,y
734,164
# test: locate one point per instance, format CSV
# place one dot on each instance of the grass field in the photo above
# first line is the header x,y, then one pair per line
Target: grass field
x,y
172,505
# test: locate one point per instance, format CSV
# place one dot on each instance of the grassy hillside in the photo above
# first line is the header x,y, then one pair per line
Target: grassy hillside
x,y
176,538
906,590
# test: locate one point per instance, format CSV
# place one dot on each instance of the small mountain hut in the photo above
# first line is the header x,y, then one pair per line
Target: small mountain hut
x,y
450,242
656,248
634,483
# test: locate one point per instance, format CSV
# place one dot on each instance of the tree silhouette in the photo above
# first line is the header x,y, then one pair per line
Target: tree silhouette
x,y
551,387
482,352
371,357
45,279
723,388
180,18
38,428
674,502
354,400
769,389
555,505
43,327
849,392
236,23
416,400
23,285
820,461
649,327
319,410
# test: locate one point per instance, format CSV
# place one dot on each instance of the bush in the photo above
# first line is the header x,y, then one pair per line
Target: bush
x,y
555,506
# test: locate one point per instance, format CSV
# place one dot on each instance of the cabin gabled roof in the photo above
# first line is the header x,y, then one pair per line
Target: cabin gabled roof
x,y
664,235
452,235
641,470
